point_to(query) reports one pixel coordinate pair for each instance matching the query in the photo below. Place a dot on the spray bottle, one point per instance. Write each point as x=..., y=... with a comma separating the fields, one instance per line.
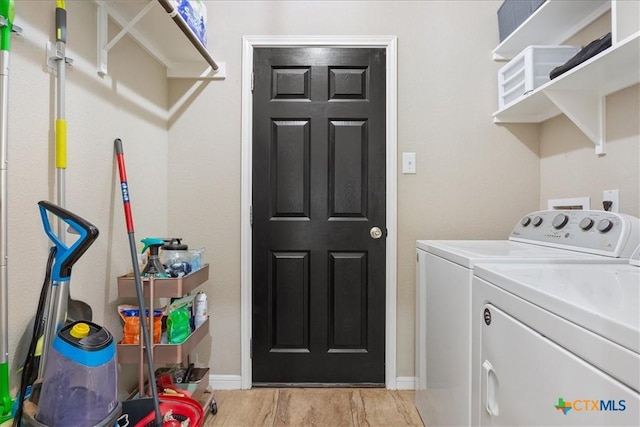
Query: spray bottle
x=154, y=267
x=200, y=304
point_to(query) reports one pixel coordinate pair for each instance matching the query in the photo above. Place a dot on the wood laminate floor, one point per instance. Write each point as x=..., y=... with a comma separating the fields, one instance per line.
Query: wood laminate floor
x=314, y=407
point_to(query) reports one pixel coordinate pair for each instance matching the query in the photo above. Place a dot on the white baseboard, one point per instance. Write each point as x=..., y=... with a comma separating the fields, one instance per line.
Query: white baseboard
x=234, y=382
x=406, y=383
x=225, y=382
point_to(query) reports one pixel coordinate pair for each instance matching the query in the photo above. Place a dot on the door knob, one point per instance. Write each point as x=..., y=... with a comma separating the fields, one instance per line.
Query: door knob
x=375, y=233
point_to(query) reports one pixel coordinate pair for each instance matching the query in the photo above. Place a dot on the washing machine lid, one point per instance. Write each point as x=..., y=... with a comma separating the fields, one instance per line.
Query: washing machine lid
x=635, y=257
x=467, y=253
x=604, y=299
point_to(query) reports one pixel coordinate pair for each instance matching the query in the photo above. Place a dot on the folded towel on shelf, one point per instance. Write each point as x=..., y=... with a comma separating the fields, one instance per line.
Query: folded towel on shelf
x=589, y=51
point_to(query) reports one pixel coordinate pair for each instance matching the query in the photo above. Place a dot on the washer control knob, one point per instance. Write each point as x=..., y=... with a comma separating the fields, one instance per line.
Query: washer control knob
x=605, y=225
x=525, y=221
x=560, y=221
x=537, y=221
x=586, y=223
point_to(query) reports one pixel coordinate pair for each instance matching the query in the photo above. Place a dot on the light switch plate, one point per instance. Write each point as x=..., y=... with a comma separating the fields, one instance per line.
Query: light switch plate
x=408, y=163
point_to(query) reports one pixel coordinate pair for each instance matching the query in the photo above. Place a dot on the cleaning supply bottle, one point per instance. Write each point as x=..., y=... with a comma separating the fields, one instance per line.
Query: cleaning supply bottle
x=200, y=309
x=154, y=266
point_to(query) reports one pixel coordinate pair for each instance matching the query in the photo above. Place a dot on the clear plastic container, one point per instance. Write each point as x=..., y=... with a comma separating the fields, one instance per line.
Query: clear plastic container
x=176, y=258
x=80, y=386
x=197, y=258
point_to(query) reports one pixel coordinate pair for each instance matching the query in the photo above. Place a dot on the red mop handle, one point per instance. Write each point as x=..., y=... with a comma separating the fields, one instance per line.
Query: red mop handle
x=123, y=185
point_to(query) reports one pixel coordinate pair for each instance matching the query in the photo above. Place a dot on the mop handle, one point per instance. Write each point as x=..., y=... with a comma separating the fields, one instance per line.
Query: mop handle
x=8, y=12
x=61, y=22
x=61, y=123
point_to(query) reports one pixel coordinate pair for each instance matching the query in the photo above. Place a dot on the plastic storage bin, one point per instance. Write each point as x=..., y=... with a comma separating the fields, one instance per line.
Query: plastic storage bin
x=512, y=13
x=529, y=70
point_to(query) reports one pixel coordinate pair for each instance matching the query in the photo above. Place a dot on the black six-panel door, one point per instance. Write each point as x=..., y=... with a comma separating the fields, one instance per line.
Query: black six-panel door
x=318, y=195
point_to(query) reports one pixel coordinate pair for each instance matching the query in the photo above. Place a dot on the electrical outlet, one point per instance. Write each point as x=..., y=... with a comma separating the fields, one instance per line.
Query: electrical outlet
x=612, y=196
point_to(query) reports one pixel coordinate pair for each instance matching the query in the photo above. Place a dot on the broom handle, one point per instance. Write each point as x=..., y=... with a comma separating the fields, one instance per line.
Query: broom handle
x=136, y=274
x=152, y=318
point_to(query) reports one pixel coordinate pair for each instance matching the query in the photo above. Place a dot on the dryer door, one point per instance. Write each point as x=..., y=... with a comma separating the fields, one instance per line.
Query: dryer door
x=528, y=379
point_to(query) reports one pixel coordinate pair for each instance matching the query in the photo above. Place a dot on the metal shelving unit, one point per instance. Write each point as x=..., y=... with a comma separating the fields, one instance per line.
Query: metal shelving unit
x=171, y=353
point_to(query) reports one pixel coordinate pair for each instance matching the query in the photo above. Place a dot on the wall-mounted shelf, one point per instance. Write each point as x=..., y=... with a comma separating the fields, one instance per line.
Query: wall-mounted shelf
x=551, y=24
x=168, y=39
x=580, y=93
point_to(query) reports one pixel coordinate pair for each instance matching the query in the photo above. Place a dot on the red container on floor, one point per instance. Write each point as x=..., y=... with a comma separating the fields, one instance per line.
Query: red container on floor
x=182, y=408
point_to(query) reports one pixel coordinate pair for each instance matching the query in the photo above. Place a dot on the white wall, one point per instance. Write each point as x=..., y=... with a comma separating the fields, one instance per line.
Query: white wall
x=474, y=179
x=570, y=168
x=98, y=110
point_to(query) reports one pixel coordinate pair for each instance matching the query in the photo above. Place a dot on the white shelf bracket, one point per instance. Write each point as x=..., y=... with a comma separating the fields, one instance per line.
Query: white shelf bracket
x=102, y=28
x=104, y=44
x=587, y=110
x=196, y=70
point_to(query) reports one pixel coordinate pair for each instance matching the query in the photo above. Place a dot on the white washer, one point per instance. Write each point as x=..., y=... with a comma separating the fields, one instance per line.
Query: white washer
x=558, y=344
x=443, y=293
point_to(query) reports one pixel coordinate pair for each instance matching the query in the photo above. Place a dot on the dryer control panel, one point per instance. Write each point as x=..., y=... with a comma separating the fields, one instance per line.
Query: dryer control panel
x=596, y=232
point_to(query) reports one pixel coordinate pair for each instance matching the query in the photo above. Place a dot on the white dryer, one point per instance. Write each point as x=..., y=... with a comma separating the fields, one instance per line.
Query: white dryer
x=443, y=293
x=556, y=344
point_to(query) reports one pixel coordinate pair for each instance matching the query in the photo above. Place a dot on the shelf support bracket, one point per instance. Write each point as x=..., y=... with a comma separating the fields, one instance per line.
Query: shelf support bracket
x=104, y=44
x=214, y=71
x=587, y=110
x=102, y=29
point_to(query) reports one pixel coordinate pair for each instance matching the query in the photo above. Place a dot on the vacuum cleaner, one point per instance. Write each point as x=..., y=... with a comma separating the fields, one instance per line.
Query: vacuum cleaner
x=79, y=386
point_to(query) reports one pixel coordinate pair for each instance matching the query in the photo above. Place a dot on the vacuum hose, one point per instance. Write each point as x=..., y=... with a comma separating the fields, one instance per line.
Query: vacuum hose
x=28, y=367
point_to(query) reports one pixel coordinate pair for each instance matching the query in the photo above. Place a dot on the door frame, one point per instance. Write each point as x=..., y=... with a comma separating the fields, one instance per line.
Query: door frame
x=389, y=43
